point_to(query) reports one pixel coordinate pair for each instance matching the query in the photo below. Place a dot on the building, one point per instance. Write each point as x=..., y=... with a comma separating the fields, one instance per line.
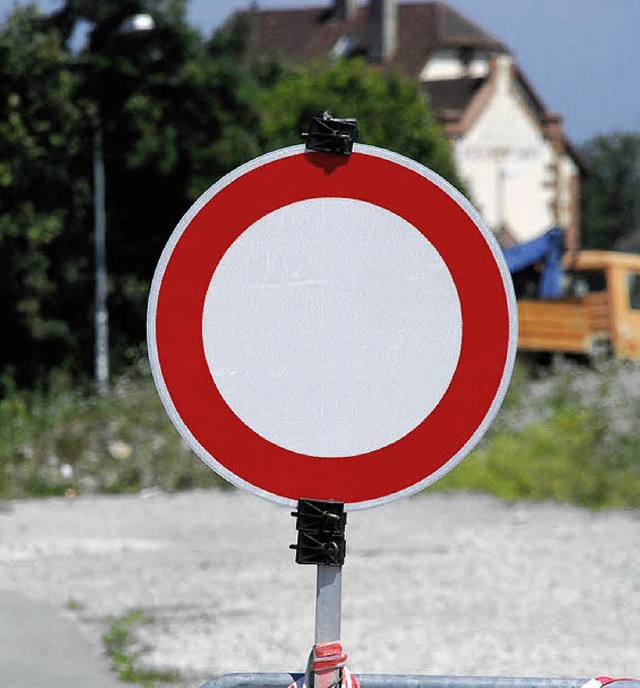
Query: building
x=522, y=173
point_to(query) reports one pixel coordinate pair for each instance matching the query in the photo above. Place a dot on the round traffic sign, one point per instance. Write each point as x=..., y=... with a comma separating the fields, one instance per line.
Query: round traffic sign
x=333, y=328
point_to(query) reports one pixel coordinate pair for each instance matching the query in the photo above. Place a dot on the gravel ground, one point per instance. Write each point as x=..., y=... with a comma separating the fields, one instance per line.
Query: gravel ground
x=439, y=584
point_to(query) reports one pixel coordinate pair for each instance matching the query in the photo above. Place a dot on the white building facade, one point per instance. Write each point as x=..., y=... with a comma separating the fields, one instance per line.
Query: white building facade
x=515, y=163
x=520, y=170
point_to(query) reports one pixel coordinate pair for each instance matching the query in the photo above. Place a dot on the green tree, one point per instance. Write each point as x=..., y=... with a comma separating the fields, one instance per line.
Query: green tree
x=176, y=112
x=610, y=195
x=41, y=155
x=391, y=111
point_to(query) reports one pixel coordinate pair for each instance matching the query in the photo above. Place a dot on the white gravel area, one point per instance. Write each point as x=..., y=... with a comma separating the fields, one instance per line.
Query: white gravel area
x=438, y=584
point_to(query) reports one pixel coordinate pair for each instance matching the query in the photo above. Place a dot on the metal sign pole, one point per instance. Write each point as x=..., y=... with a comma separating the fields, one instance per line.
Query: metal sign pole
x=328, y=603
x=321, y=541
x=328, y=620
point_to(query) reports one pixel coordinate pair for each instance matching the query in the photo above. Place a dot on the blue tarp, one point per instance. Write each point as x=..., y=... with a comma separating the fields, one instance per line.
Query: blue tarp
x=546, y=249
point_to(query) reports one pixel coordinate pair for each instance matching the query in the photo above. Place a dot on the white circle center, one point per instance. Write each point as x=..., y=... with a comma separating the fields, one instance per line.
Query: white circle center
x=332, y=327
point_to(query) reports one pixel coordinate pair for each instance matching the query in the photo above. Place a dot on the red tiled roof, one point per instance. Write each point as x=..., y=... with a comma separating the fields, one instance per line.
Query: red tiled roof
x=300, y=34
x=304, y=34
x=451, y=97
x=423, y=28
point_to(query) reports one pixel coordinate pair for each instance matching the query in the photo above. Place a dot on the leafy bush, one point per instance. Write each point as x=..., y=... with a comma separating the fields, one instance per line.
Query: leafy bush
x=125, y=651
x=70, y=441
x=573, y=436
x=390, y=109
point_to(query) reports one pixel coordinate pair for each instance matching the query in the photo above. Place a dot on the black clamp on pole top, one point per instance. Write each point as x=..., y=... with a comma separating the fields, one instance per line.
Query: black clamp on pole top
x=320, y=527
x=330, y=135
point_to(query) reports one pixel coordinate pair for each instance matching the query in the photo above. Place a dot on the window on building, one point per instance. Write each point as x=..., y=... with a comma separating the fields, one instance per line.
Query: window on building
x=633, y=282
x=466, y=56
x=341, y=48
x=583, y=282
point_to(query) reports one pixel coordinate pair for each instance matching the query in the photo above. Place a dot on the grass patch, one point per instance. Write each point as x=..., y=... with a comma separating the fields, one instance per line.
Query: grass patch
x=67, y=441
x=584, y=450
x=570, y=435
x=74, y=605
x=125, y=652
x=548, y=461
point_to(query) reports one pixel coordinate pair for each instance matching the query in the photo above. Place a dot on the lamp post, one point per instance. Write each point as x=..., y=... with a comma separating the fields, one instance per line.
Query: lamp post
x=100, y=253
x=138, y=23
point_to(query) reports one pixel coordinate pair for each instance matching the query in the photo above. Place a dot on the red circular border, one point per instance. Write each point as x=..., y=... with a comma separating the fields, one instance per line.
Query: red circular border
x=284, y=473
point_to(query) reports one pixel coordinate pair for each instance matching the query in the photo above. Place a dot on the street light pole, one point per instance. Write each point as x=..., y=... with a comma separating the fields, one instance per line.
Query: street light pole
x=100, y=236
x=136, y=24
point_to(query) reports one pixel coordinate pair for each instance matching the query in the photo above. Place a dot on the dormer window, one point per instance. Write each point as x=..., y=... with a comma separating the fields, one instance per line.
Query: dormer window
x=466, y=55
x=341, y=48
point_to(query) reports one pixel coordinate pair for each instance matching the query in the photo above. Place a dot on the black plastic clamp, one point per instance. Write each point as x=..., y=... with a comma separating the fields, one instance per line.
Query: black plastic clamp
x=320, y=527
x=330, y=135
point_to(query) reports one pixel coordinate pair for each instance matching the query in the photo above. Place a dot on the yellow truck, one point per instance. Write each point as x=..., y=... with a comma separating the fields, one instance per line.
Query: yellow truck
x=594, y=310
